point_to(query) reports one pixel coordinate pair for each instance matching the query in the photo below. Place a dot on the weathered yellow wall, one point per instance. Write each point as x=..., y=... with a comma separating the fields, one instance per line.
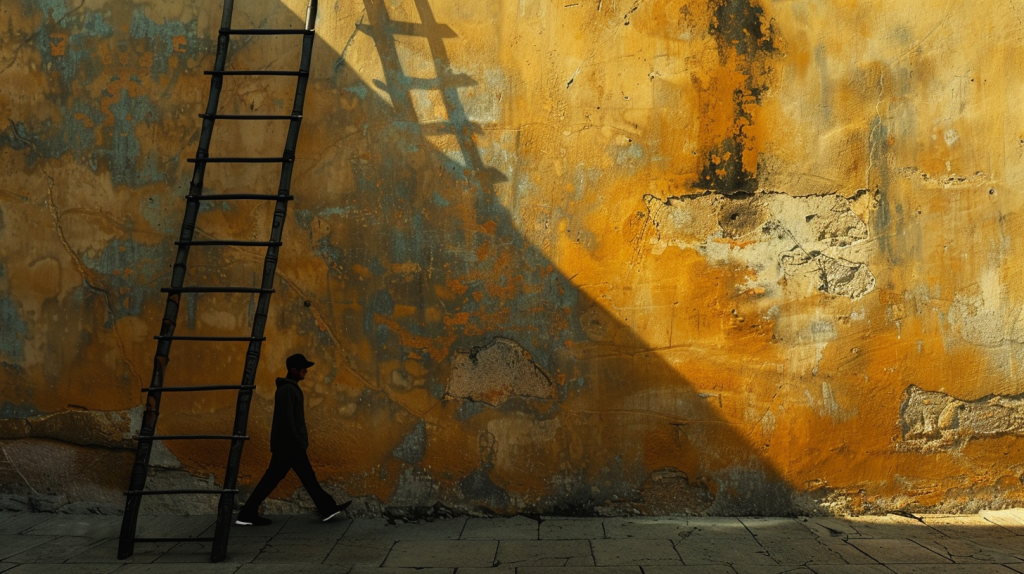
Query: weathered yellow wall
x=586, y=256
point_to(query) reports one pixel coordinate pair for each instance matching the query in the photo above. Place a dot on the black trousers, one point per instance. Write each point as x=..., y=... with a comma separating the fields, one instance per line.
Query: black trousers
x=280, y=464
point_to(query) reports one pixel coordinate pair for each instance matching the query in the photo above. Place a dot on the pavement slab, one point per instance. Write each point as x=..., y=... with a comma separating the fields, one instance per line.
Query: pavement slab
x=359, y=552
x=571, y=529
x=240, y=551
x=374, y=570
x=648, y=528
x=12, y=545
x=514, y=528
x=442, y=553
x=777, y=569
x=580, y=570
x=78, y=525
x=897, y=551
x=520, y=553
x=969, y=526
x=145, y=553
x=65, y=568
x=849, y=569
x=722, y=550
x=811, y=550
x=694, y=569
x=634, y=551
x=966, y=552
x=290, y=551
x=219, y=568
x=379, y=529
x=950, y=569
x=56, y=550
x=17, y=522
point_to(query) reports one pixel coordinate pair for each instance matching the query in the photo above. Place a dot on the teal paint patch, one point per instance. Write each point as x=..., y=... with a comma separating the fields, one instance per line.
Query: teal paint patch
x=127, y=291
x=125, y=151
x=166, y=39
x=13, y=330
x=64, y=42
x=413, y=446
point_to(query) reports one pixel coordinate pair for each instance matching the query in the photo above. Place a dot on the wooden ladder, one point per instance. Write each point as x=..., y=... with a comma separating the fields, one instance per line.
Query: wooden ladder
x=194, y=199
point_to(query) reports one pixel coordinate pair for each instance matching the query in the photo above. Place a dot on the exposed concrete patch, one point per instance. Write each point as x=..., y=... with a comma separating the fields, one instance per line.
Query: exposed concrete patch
x=413, y=446
x=815, y=240
x=669, y=491
x=497, y=372
x=932, y=421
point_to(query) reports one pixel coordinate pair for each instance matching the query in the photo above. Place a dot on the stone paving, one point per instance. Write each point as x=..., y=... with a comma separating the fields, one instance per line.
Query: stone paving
x=987, y=543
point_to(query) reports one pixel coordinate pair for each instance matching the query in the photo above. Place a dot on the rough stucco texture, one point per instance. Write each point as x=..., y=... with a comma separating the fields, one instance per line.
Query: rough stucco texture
x=595, y=256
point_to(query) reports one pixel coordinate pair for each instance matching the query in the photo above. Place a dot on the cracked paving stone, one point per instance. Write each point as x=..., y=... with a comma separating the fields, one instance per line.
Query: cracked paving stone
x=649, y=528
x=11, y=544
x=56, y=550
x=762, y=569
x=579, y=570
x=545, y=553
x=966, y=526
x=624, y=552
x=144, y=553
x=16, y=522
x=293, y=552
x=694, y=569
x=811, y=550
x=776, y=527
x=237, y=531
x=897, y=551
x=950, y=569
x=889, y=526
x=79, y=525
x=359, y=552
x=374, y=570
x=442, y=553
x=966, y=552
x=1012, y=520
x=218, y=568
x=571, y=529
x=168, y=526
x=289, y=569
x=709, y=549
x=312, y=528
x=379, y=529
x=500, y=569
x=1012, y=546
x=849, y=569
x=65, y=568
x=240, y=551
x=514, y=528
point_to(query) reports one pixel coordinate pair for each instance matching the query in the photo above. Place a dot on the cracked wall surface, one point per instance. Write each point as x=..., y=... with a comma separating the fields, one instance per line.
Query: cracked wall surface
x=597, y=257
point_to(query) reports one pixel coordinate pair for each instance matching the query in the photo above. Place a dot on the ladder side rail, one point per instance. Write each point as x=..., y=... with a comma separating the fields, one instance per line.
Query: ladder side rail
x=140, y=468
x=252, y=358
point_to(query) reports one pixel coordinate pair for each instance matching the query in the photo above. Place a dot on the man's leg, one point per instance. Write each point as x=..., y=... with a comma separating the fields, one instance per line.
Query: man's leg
x=325, y=503
x=278, y=469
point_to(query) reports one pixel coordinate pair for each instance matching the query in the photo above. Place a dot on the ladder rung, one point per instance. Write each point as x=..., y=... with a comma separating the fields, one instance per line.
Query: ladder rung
x=255, y=73
x=190, y=437
x=231, y=243
x=240, y=160
x=250, y=117
x=266, y=31
x=181, y=491
x=197, y=388
x=185, y=539
x=215, y=290
x=201, y=338
x=229, y=196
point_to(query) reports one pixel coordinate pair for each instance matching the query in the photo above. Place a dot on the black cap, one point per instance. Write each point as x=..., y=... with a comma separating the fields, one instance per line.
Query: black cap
x=298, y=362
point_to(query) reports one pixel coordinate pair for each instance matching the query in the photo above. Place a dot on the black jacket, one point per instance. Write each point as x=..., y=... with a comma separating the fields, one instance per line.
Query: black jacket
x=288, y=432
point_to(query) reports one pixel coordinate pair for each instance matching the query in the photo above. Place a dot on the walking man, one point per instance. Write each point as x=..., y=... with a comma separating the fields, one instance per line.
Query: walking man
x=288, y=444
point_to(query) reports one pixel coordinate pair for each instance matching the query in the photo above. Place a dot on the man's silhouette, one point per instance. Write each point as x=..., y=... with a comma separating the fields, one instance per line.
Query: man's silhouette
x=288, y=444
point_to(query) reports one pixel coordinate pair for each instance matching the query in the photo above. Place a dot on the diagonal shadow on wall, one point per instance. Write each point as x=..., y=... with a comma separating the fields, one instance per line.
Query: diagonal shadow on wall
x=425, y=265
